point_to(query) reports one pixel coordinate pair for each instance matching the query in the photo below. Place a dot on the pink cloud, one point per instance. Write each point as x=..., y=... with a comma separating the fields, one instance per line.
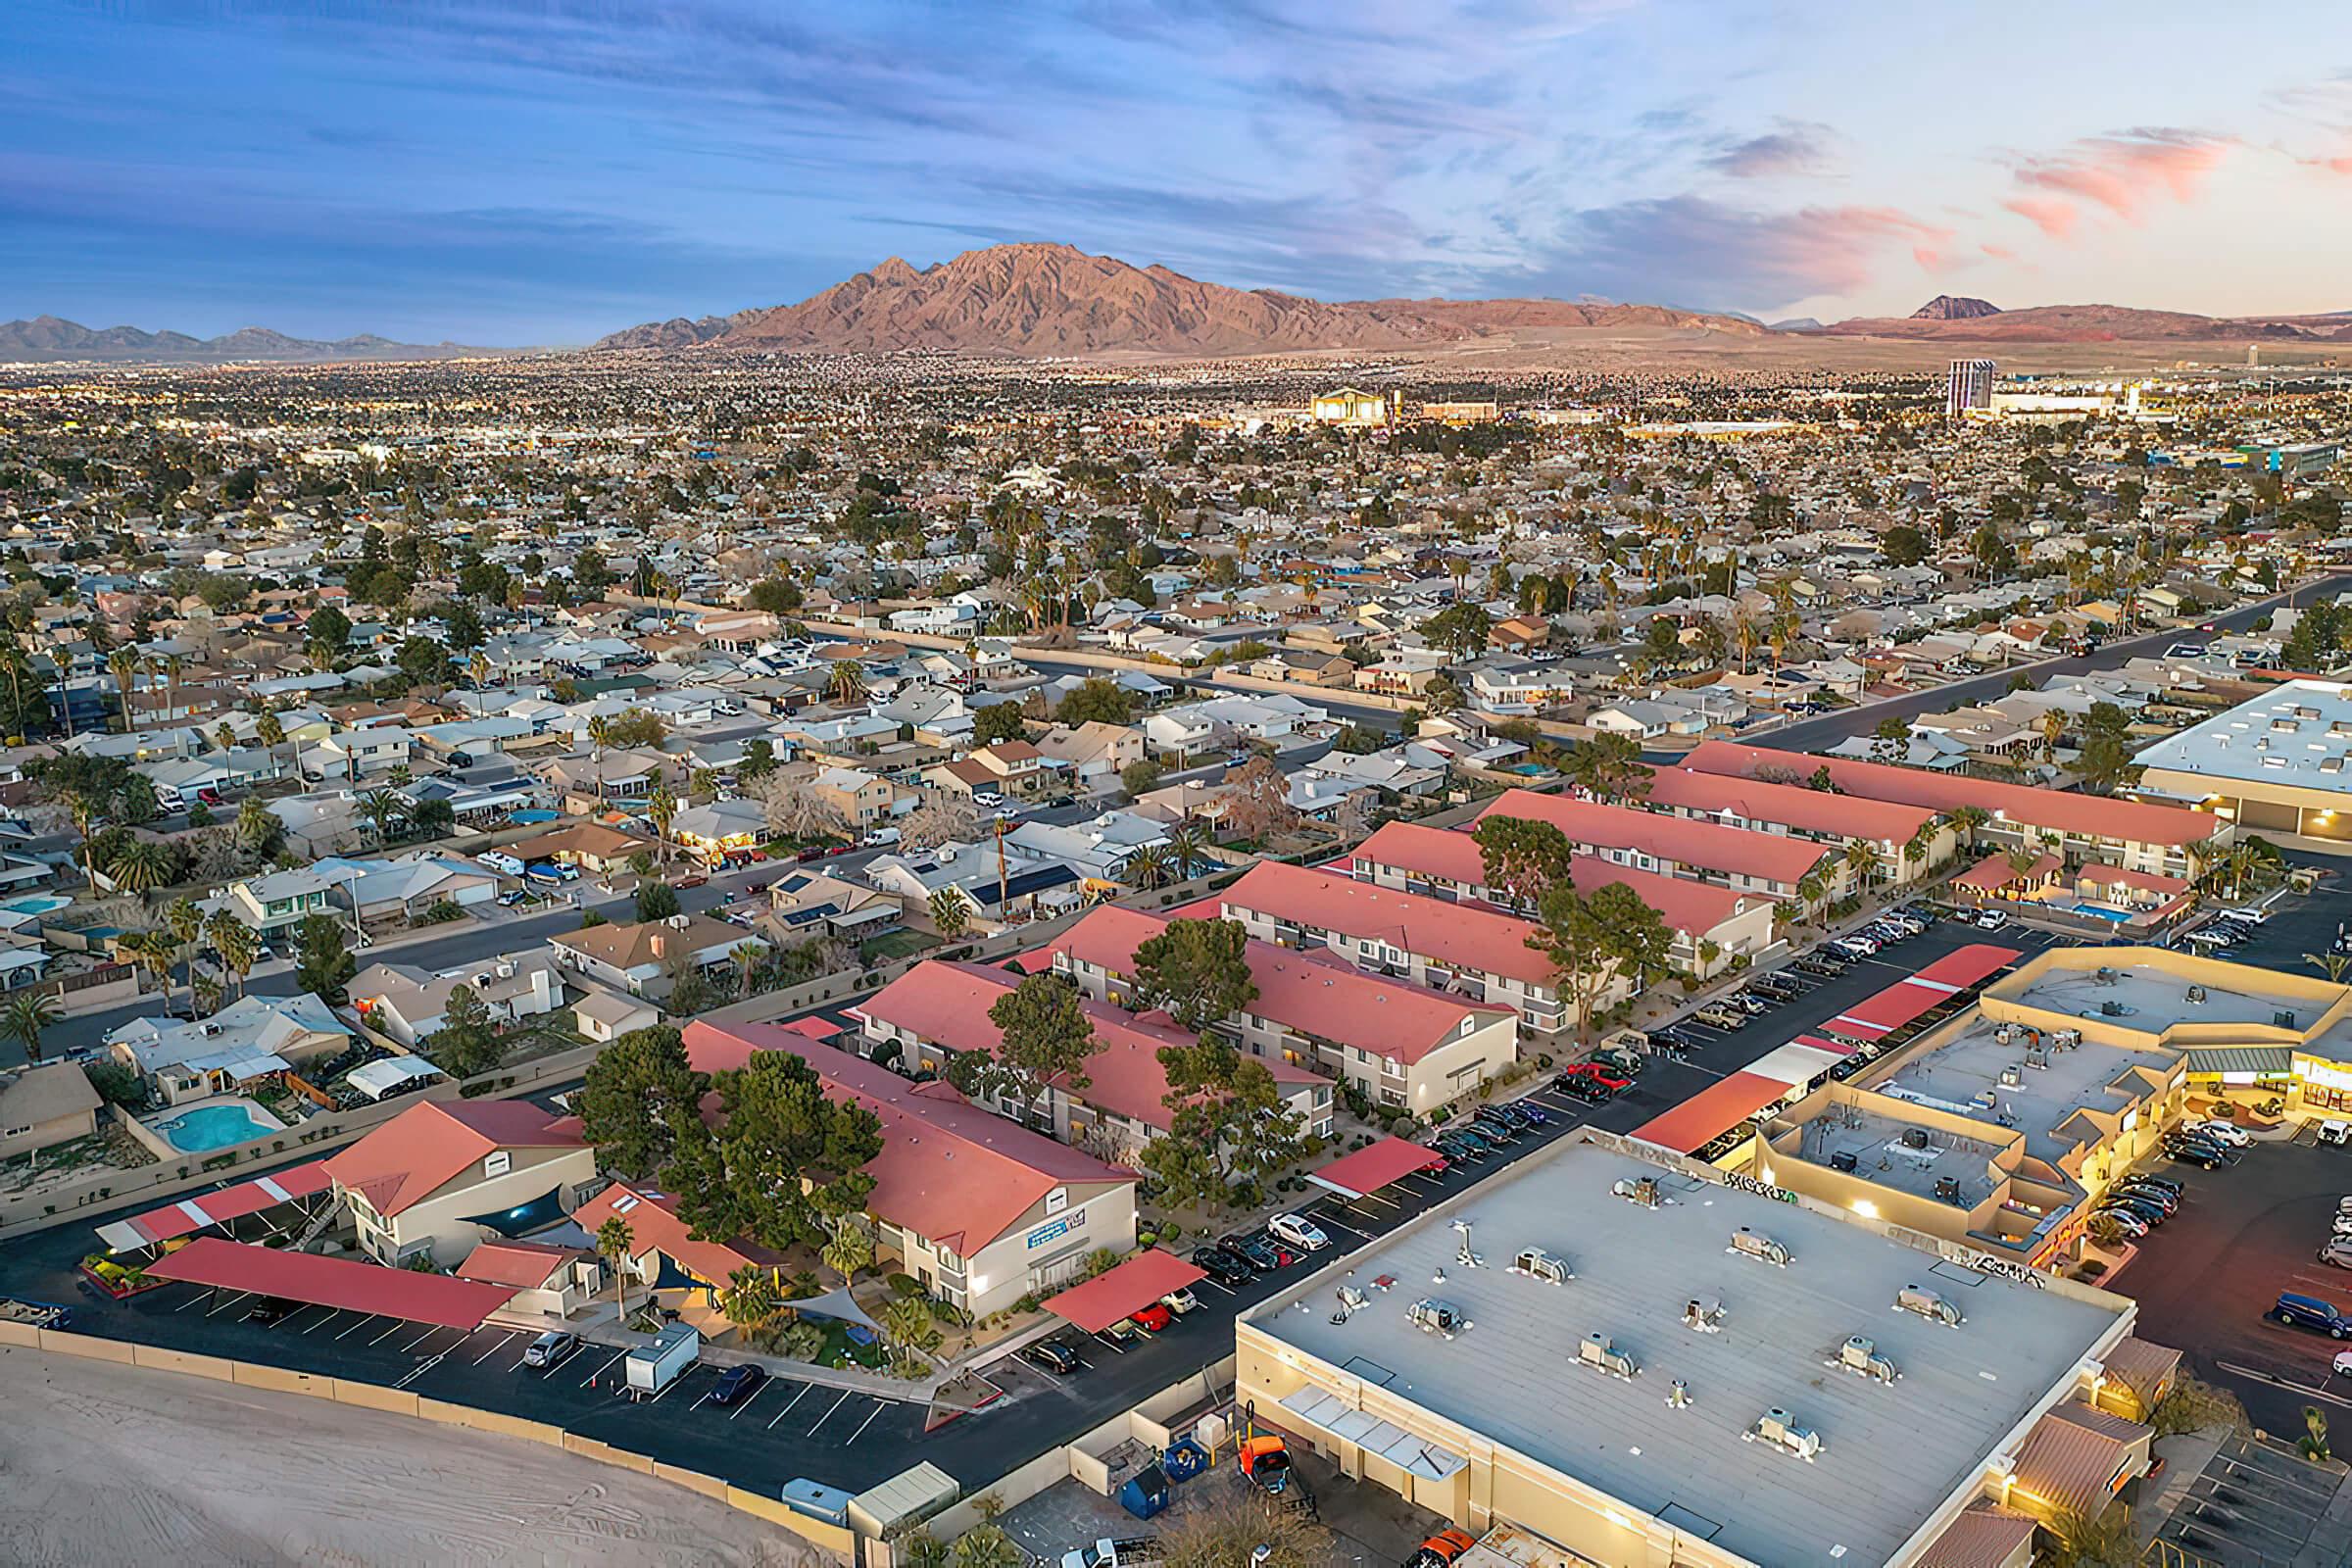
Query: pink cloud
x=2121, y=173
x=2000, y=253
x=2054, y=218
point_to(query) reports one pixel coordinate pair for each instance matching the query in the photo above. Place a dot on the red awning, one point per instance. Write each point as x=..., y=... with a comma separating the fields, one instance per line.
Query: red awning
x=1915, y=995
x=336, y=1282
x=1371, y=1168
x=1711, y=1112
x=1823, y=1043
x=192, y=1214
x=1129, y=1287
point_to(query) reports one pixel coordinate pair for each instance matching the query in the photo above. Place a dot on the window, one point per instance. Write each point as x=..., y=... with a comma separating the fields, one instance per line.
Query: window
x=497, y=1163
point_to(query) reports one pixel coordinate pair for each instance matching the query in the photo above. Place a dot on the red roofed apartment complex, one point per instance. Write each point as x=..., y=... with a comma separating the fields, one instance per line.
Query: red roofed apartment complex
x=2081, y=829
x=1399, y=1044
x=1672, y=846
x=982, y=1212
x=416, y=1186
x=936, y=1010
x=1444, y=864
x=1793, y=811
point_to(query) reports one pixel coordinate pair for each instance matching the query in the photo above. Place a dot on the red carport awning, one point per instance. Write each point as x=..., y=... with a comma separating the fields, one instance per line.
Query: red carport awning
x=192, y=1214
x=1129, y=1287
x=1915, y=995
x=1374, y=1166
x=1711, y=1112
x=336, y=1282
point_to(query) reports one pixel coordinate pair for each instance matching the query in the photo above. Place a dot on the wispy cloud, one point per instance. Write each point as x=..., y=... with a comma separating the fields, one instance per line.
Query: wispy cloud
x=1793, y=147
x=1689, y=250
x=2120, y=174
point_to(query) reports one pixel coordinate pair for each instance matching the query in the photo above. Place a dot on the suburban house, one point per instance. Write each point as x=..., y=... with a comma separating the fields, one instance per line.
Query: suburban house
x=801, y=904
x=399, y=890
x=604, y=1017
x=408, y=1004
x=254, y=1037
x=711, y=830
x=1095, y=753
x=644, y=957
x=589, y=846
x=1011, y=768
x=979, y=1210
x=274, y=903
x=44, y=1105
x=439, y=1179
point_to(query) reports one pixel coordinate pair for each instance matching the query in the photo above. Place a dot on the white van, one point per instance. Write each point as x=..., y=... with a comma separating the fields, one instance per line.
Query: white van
x=501, y=861
x=877, y=837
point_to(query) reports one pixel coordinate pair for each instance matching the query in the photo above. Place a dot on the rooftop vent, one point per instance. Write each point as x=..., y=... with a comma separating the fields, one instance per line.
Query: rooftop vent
x=2106, y=975
x=1860, y=1354
x=1948, y=1189
x=2011, y=1077
x=1842, y=1160
x=1537, y=1264
x=2196, y=995
x=1643, y=1189
x=1778, y=1427
x=1704, y=1317
x=2283, y=1019
x=1433, y=1316
x=1914, y=1138
x=1599, y=1352
x=1928, y=1305
x=1760, y=1247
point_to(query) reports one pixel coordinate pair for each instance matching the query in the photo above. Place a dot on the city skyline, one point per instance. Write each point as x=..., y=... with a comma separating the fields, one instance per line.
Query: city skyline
x=508, y=174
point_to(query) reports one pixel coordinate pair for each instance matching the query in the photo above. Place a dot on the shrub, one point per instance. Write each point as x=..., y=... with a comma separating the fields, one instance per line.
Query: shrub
x=905, y=1285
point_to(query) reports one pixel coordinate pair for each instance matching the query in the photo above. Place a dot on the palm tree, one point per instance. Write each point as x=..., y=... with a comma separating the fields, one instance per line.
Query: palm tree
x=600, y=735
x=1147, y=868
x=847, y=683
x=141, y=866
x=256, y=823
x=155, y=951
x=186, y=923
x=82, y=806
x=850, y=1250
x=746, y=956
x=2330, y=964
x=123, y=665
x=1188, y=847
x=2053, y=730
x=662, y=810
x=235, y=943
x=1862, y=859
x=384, y=811
x=224, y=736
x=1967, y=819
x=271, y=734
x=613, y=1238
x=22, y=1017
x=950, y=912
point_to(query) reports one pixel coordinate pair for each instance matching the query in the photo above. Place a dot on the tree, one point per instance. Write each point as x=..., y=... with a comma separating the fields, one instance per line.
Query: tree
x=1257, y=800
x=141, y=866
x=1227, y=1108
x=614, y=1241
x=234, y=942
x=752, y=1297
x=1199, y=970
x=1149, y=868
x=1904, y=546
x=2105, y=1539
x=635, y=1097
x=1594, y=942
x=778, y=596
x=950, y=911
x=1609, y=767
x=785, y=1158
x=1228, y=1533
x=846, y=684
x=1140, y=777
x=326, y=634
x=790, y=806
x=25, y=1015
x=1097, y=700
x=907, y=1322
x=185, y=922
x=466, y=1045
x=656, y=901
x=323, y=965
x=998, y=721
x=385, y=810
x=2330, y=964
x=1461, y=630
x=849, y=1249
x=662, y=810
x=1047, y=1039
x=1890, y=741
x=988, y=1546
x=1441, y=694
x=270, y=731
x=1969, y=820
x=1520, y=856
x=1662, y=642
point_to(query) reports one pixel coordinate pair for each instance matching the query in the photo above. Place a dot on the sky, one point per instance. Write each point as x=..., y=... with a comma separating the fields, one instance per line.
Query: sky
x=541, y=172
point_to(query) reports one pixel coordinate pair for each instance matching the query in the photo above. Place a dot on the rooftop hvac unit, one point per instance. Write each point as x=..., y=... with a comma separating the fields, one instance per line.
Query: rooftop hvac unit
x=1643, y=1189
x=1928, y=1305
x=2000, y=1035
x=1778, y=1427
x=1760, y=1247
x=1842, y=1160
x=2283, y=1019
x=1860, y=1354
x=2106, y=975
x=1599, y=1352
x=1433, y=1316
x=2037, y=1057
x=506, y=971
x=1914, y=1138
x=2012, y=1077
x=2197, y=994
x=1702, y=1316
x=1537, y=1264
x=2111, y=1009
x=2067, y=1039
x=1947, y=1188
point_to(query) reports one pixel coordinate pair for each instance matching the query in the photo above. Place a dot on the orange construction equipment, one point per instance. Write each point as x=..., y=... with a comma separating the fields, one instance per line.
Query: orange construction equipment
x=1439, y=1549
x=1266, y=1461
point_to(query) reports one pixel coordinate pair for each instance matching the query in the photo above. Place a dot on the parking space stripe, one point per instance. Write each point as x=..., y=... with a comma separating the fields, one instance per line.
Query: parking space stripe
x=396, y=1325
x=227, y=1301
x=829, y=1409
x=357, y=1326
x=787, y=1411
x=195, y=1295
x=598, y=1376
x=495, y=1348
x=319, y=1322
x=867, y=1422
x=746, y=1403
x=419, y=1340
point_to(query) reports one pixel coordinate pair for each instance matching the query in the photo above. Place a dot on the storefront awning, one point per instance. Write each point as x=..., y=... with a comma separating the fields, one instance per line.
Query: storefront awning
x=2265, y=1061
x=1326, y=1412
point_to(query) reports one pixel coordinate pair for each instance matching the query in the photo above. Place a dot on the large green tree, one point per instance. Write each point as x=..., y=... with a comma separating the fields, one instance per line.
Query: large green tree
x=466, y=1043
x=784, y=1159
x=1596, y=939
x=1609, y=767
x=1227, y=1106
x=1097, y=700
x=1460, y=629
x=1521, y=858
x=322, y=964
x=1046, y=1040
x=637, y=1095
x=1199, y=970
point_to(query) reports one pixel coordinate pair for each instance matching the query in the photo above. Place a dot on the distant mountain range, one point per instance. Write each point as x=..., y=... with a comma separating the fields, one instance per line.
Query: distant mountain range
x=1046, y=300
x=49, y=339
x=1954, y=307
x=1947, y=317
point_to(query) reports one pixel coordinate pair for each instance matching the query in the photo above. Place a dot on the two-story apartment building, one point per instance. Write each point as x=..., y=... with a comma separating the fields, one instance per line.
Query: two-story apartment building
x=1093, y=753
x=1769, y=865
x=417, y=1186
x=1836, y=821
x=642, y=959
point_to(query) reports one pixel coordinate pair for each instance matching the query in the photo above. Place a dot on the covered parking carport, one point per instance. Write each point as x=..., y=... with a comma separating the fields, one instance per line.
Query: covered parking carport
x=337, y=1283
x=297, y=1185
x=1363, y=1176
x=1116, y=1294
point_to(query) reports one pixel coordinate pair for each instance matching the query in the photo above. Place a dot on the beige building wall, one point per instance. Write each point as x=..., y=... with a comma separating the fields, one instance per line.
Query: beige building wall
x=440, y=1223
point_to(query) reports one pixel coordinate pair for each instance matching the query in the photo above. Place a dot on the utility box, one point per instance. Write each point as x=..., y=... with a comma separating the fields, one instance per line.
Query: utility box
x=1861, y=1355
x=654, y=1366
x=1760, y=1247
x=1537, y=1264
x=1433, y=1316
x=1928, y=1305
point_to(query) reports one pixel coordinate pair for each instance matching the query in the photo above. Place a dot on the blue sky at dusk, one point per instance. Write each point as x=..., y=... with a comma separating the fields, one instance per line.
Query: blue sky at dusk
x=507, y=172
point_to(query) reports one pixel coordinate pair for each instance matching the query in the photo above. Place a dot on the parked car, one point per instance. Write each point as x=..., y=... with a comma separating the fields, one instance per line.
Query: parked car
x=2337, y=1254
x=2249, y=914
x=1154, y=1317
x=1754, y=1007
x=1438, y=1164
x=1594, y=1072
x=1456, y=1149
x=2311, y=1312
x=1299, y=1231
x=550, y=1348
x=2147, y=1208
x=1858, y=947
x=1053, y=1356
x=691, y=879
x=2139, y=1191
x=2196, y=1141
x=2335, y=1132
x=1591, y=1089
x=2130, y=1224
x=2205, y=1155
x=1181, y=1302
x=1991, y=919
x=1510, y=1117
x=2149, y=1178
x=1252, y=1251
x=738, y=1383
x=272, y=1310
x=2226, y=1132
x=1226, y=1266
x=1535, y=1114
x=1676, y=1038
x=1719, y=1016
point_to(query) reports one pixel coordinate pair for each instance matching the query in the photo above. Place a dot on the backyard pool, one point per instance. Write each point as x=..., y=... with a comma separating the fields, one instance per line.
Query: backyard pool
x=2100, y=912
x=216, y=1125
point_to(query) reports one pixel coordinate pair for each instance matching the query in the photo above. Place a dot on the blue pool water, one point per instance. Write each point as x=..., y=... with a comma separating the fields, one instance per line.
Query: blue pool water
x=2102, y=913
x=209, y=1127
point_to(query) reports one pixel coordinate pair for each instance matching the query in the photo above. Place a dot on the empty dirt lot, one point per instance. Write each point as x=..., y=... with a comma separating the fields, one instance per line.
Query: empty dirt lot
x=104, y=1463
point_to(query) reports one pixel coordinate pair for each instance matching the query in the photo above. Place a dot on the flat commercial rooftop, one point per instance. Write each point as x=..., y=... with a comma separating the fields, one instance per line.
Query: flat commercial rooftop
x=1891, y=1454
x=2296, y=734
x=2156, y=1000
x=1882, y=1157
x=1949, y=1074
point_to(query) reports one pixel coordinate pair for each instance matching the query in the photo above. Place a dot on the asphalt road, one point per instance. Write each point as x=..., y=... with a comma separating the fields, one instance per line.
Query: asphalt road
x=1828, y=729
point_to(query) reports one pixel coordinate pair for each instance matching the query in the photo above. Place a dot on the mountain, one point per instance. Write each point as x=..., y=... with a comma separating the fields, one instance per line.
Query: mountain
x=2088, y=323
x=48, y=338
x=1035, y=300
x=1954, y=307
x=1798, y=324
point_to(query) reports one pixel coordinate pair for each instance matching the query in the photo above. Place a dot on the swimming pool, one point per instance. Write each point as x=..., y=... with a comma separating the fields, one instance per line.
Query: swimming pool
x=2100, y=912
x=214, y=1126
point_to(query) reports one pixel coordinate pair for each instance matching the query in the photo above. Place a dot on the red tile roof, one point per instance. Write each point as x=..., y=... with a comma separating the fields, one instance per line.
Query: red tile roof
x=431, y=1144
x=1695, y=907
x=1791, y=805
x=652, y=1217
x=519, y=1265
x=2061, y=810
x=1684, y=841
x=949, y=1171
x=337, y=1281
x=1457, y=935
